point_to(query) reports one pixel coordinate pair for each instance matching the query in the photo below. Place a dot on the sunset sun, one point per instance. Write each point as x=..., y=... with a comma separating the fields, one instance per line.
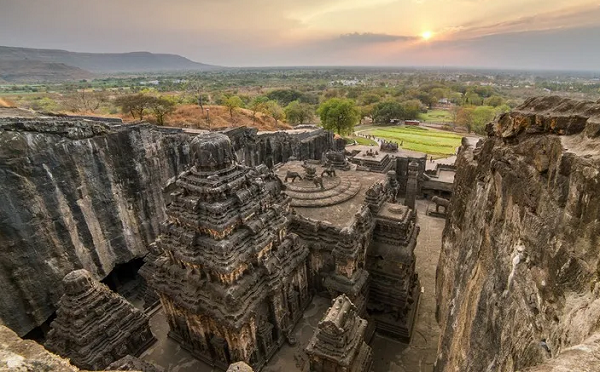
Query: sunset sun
x=427, y=35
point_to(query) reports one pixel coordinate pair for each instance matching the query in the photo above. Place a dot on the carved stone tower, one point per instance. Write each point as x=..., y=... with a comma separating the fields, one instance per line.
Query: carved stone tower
x=231, y=279
x=338, y=343
x=95, y=326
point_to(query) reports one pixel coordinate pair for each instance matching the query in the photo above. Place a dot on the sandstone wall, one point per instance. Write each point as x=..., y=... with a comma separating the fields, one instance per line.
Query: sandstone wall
x=520, y=253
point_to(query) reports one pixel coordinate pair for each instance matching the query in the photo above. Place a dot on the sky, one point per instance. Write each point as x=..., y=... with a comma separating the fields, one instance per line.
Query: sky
x=522, y=34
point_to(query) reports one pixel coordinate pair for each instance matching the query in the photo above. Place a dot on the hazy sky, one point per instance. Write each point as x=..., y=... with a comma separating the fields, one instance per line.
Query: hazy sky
x=541, y=34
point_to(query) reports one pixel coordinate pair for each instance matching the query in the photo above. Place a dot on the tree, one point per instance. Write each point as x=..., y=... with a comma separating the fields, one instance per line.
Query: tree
x=232, y=103
x=284, y=96
x=161, y=107
x=339, y=114
x=384, y=112
x=258, y=104
x=473, y=98
x=367, y=112
x=411, y=108
x=369, y=99
x=298, y=113
x=494, y=101
x=134, y=104
x=275, y=111
x=196, y=88
x=464, y=118
x=481, y=116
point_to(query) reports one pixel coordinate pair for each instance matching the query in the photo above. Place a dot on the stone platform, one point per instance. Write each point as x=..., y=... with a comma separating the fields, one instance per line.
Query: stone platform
x=335, y=190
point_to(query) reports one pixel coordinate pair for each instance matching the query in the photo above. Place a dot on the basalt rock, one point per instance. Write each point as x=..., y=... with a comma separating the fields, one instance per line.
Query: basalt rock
x=518, y=281
x=232, y=280
x=76, y=194
x=338, y=342
x=270, y=148
x=94, y=326
x=86, y=194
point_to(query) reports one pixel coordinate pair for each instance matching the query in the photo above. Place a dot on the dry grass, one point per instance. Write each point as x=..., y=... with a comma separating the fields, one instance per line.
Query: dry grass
x=190, y=116
x=6, y=103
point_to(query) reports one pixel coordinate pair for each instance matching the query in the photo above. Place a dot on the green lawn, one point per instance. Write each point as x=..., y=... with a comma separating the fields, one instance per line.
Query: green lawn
x=362, y=141
x=432, y=142
x=436, y=116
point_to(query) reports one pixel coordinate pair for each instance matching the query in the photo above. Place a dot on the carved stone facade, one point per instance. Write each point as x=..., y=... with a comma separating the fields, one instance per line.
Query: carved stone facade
x=338, y=343
x=412, y=184
x=338, y=255
x=95, y=326
x=373, y=251
x=232, y=280
x=394, y=286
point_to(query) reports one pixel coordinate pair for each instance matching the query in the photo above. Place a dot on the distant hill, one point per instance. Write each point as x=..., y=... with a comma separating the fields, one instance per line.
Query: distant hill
x=27, y=71
x=105, y=62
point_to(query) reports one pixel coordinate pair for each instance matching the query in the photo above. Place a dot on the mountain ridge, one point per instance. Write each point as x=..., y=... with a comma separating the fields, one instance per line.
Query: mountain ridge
x=130, y=62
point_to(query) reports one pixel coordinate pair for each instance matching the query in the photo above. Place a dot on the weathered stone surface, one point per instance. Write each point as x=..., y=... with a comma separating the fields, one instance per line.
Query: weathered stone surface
x=239, y=367
x=94, y=326
x=584, y=357
x=80, y=194
x=519, y=262
x=254, y=148
x=75, y=194
x=232, y=280
x=25, y=355
x=131, y=363
x=338, y=343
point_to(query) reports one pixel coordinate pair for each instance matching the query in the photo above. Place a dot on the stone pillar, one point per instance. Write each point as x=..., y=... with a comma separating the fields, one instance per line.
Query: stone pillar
x=412, y=185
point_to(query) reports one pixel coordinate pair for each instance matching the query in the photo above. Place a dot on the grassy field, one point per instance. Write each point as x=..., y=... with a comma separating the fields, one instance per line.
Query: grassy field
x=436, y=116
x=432, y=142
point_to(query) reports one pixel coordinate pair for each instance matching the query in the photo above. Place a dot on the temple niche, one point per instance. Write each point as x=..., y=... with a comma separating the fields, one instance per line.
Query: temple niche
x=338, y=344
x=232, y=279
x=95, y=326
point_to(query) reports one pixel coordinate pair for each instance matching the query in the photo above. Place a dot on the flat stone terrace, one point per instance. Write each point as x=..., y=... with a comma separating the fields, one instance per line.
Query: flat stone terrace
x=340, y=199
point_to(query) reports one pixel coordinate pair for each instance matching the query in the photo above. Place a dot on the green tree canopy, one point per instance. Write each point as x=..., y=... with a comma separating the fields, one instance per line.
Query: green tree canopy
x=232, y=103
x=494, y=101
x=258, y=104
x=134, y=104
x=481, y=116
x=412, y=109
x=161, y=107
x=384, y=112
x=299, y=113
x=275, y=111
x=339, y=115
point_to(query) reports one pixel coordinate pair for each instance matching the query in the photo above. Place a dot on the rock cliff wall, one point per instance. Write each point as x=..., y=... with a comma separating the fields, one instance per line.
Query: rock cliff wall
x=75, y=194
x=80, y=194
x=270, y=148
x=518, y=279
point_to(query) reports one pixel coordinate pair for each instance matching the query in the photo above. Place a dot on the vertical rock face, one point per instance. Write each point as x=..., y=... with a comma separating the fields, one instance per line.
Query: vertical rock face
x=75, y=194
x=253, y=148
x=518, y=279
